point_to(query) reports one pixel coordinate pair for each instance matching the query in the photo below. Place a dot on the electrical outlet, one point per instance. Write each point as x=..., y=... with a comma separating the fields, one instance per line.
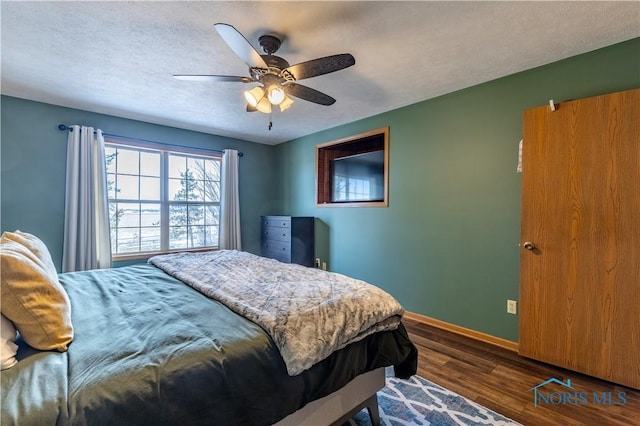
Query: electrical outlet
x=317, y=264
x=324, y=266
x=512, y=307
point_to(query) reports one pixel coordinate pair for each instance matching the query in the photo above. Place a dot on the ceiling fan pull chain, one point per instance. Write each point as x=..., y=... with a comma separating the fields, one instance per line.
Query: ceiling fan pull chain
x=270, y=122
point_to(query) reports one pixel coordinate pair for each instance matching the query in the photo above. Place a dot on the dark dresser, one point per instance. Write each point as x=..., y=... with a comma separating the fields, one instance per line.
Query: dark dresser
x=288, y=239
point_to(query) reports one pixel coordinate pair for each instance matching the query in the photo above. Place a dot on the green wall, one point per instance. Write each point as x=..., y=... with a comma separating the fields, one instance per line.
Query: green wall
x=447, y=245
x=33, y=157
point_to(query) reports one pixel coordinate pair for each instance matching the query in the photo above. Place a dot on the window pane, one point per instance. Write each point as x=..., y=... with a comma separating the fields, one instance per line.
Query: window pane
x=197, y=190
x=114, y=240
x=185, y=188
x=196, y=236
x=130, y=217
x=127, y=187
x=150, y=188
x=189, y=186
x=111, y=186
x=212, y=215
x=211, y=236
x=175, y=190
x=177, y=216
x=128, y=240
x=128, y=162
x=212, y=168
x=177, y=226
x=196, y=215
x=177, y=166
x=196, y=166
x=115, y=215
x=110, y=159
x=212, y=191
x=150, y=164
x=150, y=215
x=177, y=237
x=150, y=239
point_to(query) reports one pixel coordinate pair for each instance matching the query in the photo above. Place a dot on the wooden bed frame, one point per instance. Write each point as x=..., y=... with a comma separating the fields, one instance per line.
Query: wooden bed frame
x=338, y=407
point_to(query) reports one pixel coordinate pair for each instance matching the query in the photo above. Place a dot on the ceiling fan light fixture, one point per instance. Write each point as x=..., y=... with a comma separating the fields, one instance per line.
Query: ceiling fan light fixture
x=264, y=105
x=276, y=94
x=286, y=103
x=274, y=76
x=254, y=96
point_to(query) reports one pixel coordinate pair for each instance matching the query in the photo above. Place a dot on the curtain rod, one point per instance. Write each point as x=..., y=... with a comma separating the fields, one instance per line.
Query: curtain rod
x=65, y=127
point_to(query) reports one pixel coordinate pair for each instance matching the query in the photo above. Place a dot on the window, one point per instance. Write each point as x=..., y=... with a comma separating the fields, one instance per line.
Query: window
x=353, y=172
x=161, y=200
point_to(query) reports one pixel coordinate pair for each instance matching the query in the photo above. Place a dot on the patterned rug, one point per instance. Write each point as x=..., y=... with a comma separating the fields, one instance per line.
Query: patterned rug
x=418, y=401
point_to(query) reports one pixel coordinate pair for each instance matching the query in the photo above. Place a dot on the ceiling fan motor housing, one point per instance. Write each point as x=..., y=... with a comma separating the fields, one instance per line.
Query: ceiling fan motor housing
x=269, y=43
x=275, y=62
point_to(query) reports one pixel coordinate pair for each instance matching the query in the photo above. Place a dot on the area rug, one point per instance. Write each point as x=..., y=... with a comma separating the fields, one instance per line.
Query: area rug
x=418, y=401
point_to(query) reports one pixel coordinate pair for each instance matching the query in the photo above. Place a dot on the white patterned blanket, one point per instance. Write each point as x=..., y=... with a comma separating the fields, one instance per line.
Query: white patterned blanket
x=309, y=313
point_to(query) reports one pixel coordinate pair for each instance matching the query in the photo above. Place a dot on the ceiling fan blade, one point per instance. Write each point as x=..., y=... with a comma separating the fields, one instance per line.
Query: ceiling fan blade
x=231, y=78
x=321, y=66
x=308, y=94
x=240, y=45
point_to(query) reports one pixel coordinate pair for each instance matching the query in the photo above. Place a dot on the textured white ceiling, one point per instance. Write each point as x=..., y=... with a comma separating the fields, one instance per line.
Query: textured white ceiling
x=118, y=58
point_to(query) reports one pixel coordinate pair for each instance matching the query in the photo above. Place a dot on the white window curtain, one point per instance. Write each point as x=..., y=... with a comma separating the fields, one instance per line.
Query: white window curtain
x=230, y=202
x=87, y=243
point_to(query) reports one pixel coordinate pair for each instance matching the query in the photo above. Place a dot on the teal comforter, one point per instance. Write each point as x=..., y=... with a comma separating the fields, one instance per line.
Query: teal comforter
x=149, y=350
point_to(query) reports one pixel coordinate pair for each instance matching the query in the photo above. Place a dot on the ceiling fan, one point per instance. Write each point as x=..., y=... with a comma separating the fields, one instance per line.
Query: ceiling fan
x=277, y=80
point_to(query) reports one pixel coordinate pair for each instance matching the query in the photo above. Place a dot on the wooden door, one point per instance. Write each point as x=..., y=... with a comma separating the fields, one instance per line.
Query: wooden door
x=580, y=283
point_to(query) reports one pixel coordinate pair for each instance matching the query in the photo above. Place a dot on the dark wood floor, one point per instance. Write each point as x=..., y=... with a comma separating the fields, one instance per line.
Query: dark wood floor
x=502, y=380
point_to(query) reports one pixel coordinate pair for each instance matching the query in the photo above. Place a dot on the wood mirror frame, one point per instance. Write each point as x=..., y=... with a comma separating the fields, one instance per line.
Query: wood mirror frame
x=363, y=143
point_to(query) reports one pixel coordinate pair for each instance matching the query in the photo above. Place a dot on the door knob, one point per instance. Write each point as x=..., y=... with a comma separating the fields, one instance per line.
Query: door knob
x=529, y=245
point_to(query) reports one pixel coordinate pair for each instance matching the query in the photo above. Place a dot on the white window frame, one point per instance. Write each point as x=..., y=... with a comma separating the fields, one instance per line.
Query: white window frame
x=165, y=152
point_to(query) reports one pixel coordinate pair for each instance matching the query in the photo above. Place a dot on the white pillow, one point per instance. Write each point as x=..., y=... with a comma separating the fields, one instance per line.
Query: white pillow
x=8, y=347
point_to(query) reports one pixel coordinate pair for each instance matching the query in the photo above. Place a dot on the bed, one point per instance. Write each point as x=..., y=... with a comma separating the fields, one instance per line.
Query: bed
x=147, y=348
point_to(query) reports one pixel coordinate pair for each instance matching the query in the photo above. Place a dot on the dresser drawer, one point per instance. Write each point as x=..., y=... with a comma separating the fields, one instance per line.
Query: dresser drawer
x=277, y=221
x=275, y=233
x=277, y=250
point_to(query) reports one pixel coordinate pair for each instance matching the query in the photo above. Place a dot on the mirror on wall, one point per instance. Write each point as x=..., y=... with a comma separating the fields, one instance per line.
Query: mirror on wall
x=354, y=171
